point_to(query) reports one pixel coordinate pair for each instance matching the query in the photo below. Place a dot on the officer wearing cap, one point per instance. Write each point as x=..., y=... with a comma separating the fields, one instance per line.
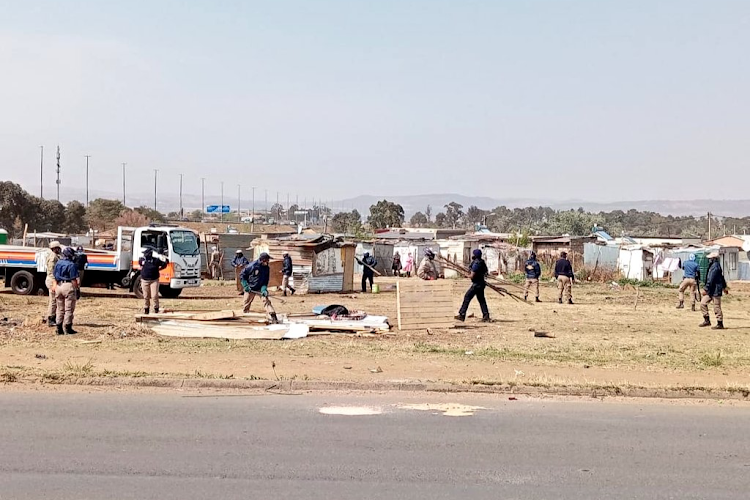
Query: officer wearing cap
x=51, y=260
x=429, y=269
x=715, y=287
x=239, y=263
x=254, y=279
x=287, y=269
x=66, y=291
x=478, y=271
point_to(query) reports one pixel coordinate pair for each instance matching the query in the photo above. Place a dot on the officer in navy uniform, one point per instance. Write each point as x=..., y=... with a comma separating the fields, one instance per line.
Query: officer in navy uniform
x=239, y=263
x=478, y=272
x=254, y=280
x=66, y=291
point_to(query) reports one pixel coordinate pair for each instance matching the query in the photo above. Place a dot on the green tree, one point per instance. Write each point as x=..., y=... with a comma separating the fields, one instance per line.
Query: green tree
x=347, y=222
x=46, y=215
x=428, y=213
x=418, y=220
x=277, y=211
x=386, y=214
x=151, y=214
x=75, y=218
x=441, y=220
x=475, y=215
x=14, y=206
x=453, y=214
x=196, y=215
x=102, y=213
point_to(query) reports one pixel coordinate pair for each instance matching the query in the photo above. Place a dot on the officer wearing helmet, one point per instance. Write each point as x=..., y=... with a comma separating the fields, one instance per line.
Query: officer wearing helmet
x=429, y=269
x=478, y=272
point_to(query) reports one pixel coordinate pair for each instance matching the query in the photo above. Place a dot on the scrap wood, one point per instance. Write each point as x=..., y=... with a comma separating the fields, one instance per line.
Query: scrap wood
x=465, y=272
x=178, y=328
x=378, y=273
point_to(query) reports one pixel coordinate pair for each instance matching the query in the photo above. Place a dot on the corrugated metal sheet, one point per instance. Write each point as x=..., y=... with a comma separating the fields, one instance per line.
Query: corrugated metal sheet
x=600, y=256
x=330, y=283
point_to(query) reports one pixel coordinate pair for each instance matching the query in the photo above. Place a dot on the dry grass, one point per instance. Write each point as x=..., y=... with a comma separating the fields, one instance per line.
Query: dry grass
x=604, y=330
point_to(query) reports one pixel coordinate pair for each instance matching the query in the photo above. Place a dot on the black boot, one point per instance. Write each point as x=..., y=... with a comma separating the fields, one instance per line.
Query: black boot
x=60, y=330
x=693, y=308
x=706, y=321
x=570, y=301
x=293, y=290
x=69, y=330
x=681, y=305
x=146, y=310
x=274, y=319
x=537, y=300
x=486, y=319
x=284, y=293
x=525, y=297
x=719, y=326
x=51, y=321
x=460, y=317
x=156, y=310
x=559, y=301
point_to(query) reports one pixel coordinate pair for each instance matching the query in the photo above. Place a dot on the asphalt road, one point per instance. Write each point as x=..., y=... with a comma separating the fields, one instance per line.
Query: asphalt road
x=171, y=446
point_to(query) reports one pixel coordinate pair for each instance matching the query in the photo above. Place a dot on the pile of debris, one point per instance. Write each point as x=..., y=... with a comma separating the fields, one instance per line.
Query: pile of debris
x=229, y=324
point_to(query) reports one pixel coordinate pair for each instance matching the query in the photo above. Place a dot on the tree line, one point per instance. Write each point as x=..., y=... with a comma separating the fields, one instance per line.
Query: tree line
x=531, y=221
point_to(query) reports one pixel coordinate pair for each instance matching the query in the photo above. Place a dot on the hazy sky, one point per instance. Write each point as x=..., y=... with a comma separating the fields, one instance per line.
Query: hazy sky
x=333, y=98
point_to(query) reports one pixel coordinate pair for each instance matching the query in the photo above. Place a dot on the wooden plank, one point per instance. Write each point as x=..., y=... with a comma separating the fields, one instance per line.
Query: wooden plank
x=422, y=326
x=239, y=333
x=215, y=315
x=425, y=304
x=429, y=314
x=427, y=286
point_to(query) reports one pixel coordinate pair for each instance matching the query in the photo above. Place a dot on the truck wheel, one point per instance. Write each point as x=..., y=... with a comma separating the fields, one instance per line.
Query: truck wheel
x=22, y=283
x=137, y=290
x=169, y=293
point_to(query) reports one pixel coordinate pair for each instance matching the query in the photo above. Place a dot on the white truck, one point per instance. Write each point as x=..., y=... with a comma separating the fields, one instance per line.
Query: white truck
x=24, y=268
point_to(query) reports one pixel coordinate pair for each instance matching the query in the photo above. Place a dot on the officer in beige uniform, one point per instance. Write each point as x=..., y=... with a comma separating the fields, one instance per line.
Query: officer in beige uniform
x=66, y=291
x=52, y=257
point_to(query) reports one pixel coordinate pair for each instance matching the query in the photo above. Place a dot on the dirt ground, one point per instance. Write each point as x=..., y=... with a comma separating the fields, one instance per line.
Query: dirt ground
x=606, y=339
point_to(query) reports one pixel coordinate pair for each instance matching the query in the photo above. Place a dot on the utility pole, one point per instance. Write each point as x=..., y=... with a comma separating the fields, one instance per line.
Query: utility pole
x=709, y=225
x=156, y=174
x=252, y=216
x=123, y=182
x=239, y=199
x=222, y=201
x=203, y=195
x=266, y=201
x=181, y=210
x=41, y=172
x=87, y=180
x=58, y=173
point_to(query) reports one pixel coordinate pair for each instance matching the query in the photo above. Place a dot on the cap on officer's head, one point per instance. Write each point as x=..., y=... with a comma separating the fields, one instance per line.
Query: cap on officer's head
x=264, y=256
x=55, y=244
x=239, y=250
x=713, y=255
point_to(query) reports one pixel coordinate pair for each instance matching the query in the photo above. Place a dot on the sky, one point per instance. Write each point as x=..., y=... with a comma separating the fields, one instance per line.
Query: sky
x=551, y=99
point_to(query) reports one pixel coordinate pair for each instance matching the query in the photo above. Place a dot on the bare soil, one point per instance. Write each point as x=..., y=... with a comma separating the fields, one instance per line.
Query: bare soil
x=605, y=339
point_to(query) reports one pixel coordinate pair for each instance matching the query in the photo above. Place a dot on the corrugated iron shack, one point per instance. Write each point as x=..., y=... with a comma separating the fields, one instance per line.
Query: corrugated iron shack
x=321, y=263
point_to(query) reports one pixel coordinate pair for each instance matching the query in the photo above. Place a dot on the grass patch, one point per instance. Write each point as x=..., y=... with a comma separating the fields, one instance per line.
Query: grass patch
x=711, y=360
x=79, y=370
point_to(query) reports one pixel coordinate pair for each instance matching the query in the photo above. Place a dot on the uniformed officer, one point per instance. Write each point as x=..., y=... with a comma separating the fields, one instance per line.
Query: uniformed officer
x=150, y=265
x=690, y=280
x=478, y=272
x=254, y=280
x=82, y=261
x=565, y=277
x=429, y=269
x=51, y=260
x=533, y=272
x=715, y=287
x=66, y=291
x=367, y=270
x=239, y=263
x=215, y=264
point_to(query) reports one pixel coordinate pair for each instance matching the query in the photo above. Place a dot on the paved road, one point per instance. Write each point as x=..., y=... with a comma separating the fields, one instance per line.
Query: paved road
x=169, y=446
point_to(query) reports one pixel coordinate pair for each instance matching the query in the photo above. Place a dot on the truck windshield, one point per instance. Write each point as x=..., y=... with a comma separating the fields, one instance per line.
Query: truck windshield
x=184, y=242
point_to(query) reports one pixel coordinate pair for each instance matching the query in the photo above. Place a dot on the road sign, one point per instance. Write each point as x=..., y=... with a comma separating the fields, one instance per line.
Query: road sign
x=215, y=209
x=300, y=212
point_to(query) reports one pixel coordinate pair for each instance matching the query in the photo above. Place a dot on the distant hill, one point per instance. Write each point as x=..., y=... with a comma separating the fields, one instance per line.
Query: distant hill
x=418, y=203
x=168, y=202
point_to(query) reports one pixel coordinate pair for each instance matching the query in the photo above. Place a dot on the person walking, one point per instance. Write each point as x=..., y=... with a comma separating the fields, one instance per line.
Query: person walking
x=66, y=291
x=429, y=269
x=715, y=287
x=287, y=270
x=690, y=279
x=255, y=279
x=368, y=274
x=215, y=264
x=82, y=261
x=396, y=266
x=408, y=265
x=53, y=256
x=533, y=272
x=478, y=273
x=150, y=265
x=239, y=263
x=565, y=278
